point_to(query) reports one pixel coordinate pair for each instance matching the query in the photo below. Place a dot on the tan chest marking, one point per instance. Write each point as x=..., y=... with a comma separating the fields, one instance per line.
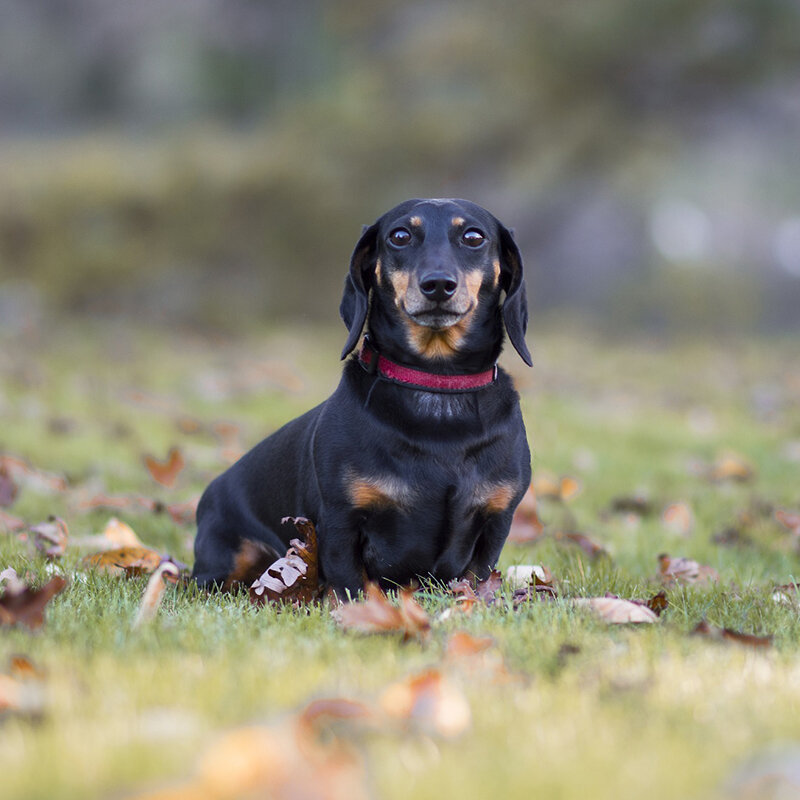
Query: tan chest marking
x=375, y=491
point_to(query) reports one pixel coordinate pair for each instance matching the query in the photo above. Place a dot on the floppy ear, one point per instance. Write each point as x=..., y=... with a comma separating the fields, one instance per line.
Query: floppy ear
x=515, y=307
x=355, y=300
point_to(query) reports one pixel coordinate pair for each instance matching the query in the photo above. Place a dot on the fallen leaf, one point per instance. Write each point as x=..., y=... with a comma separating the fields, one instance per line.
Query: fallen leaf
x=632, y=504
x=790, y=520
x=525, y=524
x=521, y=575
x=731, y=467
x=119, y=503
x=617, y=611
x=51, y=537
x=25, y=605
x=561, y=489
x=658, y=603
x=428, y=701
x=8, y=489
x=293, y=578
x=23, y=473
x=488, y=588
x=377, y=614
x=120, y=534
x=153, y=594
x=785, y=593
x=590, y=547
x=685, y=570
x=678, y=518
x=461, y=644
x=166, y=472
x=726, y=634
x=11, y=523
x=184, y=513
x=22, y=688
x=124, y=561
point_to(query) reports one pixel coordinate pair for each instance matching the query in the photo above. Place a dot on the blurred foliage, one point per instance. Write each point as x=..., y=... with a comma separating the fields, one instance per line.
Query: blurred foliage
x=211, y=165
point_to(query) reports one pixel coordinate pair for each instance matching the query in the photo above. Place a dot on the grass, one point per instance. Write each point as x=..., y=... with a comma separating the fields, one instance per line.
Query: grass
x=597, y=711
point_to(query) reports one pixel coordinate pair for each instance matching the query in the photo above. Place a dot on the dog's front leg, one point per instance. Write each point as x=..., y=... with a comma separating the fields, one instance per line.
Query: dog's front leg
x=340, y=559
x=489, y=545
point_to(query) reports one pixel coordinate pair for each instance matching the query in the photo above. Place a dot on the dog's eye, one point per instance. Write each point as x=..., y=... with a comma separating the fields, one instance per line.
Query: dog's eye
x=473, y=238
x=399, y=237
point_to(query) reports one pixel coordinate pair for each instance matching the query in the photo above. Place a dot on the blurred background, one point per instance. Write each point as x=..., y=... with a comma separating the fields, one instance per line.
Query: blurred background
x=210, y=164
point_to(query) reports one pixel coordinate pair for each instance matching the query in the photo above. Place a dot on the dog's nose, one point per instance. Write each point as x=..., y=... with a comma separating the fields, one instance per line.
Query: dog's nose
x=438, y=286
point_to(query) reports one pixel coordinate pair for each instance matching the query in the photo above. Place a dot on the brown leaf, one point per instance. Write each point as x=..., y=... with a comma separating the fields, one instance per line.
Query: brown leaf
x=119, y=503
x=429, y=702
x=488, y=588
x=22, y=688
x=617, y=611
x=23, y=473
x=11, y=523
x=26, y=605
x=526, y=525
x=658, y=603
x=678, y=518
x=632, y=504
x=790, y=520
x=165, y=472
x=685, y=570
x=377, y=614
x=51, y=537
x=561, y=489
x=461, y=644
x=184, y=513
x=120, y=534
x=295, y=577
x=153, y=594
x=8, y=489
x=731, y=467
x=124, y=560
x=726, y=634
x=590, y=547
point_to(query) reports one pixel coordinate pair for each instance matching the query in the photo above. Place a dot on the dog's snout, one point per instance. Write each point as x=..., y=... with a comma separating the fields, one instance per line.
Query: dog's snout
x=438, y=286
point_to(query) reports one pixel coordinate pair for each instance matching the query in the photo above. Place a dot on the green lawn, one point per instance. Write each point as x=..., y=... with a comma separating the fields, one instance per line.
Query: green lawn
x=590, y=709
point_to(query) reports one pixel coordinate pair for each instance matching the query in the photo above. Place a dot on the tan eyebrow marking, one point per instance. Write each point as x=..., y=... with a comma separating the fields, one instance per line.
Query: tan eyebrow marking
x=416, y=221
x=457, y=221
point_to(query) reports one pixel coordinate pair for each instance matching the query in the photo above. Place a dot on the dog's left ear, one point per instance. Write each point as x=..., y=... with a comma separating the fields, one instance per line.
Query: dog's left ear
x=355, y=300
x=515, y=307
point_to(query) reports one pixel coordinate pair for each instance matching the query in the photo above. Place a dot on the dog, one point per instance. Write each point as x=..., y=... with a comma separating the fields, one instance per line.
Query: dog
x=413, y=467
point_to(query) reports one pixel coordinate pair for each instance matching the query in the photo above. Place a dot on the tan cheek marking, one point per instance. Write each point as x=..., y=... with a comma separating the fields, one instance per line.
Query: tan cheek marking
x=474, y=279
x=457, y=221
x=375, y=492
x=496, y=266
x=416, y=221
x=494, y=498
x=378, y=276
x=400, y=284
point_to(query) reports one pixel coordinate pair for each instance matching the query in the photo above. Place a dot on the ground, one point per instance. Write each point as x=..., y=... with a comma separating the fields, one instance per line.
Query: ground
x=578, y=708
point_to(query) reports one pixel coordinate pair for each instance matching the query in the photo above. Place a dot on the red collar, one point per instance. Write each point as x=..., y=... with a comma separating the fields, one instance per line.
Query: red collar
x=373, y=362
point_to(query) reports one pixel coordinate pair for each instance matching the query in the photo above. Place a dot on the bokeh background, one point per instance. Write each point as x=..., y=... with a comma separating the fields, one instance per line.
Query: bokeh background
x=210, y=164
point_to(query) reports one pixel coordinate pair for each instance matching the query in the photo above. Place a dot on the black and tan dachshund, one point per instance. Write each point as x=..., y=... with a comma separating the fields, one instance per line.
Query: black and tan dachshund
x=415, y=464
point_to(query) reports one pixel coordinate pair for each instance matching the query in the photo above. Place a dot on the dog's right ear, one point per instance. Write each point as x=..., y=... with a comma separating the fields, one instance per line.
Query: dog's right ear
x=355, y=300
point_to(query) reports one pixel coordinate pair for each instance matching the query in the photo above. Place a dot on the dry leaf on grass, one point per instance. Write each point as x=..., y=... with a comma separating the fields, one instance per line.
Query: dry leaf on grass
x=51, y=537
x=279, y=762
x=22, y=688
x=10, y=523
x=295, y=577
x=616, y=611
x=731, y=467
x=561, y=489
x=678, y=518
x=130, y=561
x=468, y=594
x=685, y=570
x=166, y=472
x=20, y=603
x=589, y=546
x=24, y=474
x=526, y=525
x=638, y=504
x=790, y=520
x=8, y=489
x=429, y=702
x=377, y=614
x=728, y=635
x=530, y=582
x=154, y=592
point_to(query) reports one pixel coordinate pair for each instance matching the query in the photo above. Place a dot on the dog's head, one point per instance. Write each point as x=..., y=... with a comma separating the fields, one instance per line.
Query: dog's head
x=433, y=273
